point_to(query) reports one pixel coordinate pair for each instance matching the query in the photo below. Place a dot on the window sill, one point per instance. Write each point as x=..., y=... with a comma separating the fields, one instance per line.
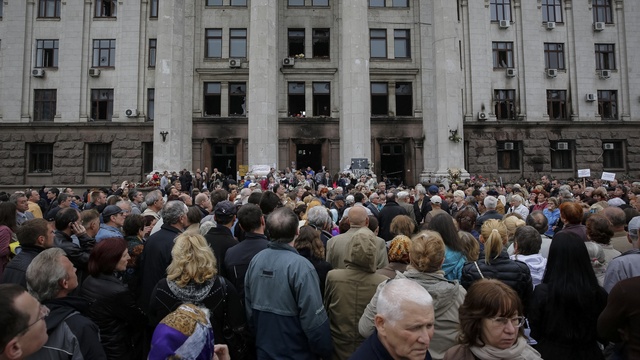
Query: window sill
x=105, y=18
x=104, y=67
x=47, y=18
x=98, y=173
x=41, y=174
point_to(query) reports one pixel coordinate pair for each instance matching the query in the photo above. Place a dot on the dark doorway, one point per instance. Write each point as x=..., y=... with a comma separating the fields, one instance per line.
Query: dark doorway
x=309, y=155
x=392, y=162
x=224, y=158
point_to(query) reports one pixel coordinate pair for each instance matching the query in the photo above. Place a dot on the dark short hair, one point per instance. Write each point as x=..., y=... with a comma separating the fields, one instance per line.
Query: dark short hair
x=133, y=224
x=12, y=319
x=66, y=216
x=373, y=223
x=55, y=190
x=269, y=201
x=282, y=225
x=249, y=217
x=599, y=229
x=63, y=197
x=106, y=255
x=194, y=215
x=31, y=230
x=538, y=221
x=133, y=193
x=528, y=239
x=254, y=198
x=358, y=197
x=217, y=196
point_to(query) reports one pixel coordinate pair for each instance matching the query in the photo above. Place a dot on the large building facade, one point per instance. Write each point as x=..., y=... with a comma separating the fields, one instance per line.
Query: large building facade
x=103, y=90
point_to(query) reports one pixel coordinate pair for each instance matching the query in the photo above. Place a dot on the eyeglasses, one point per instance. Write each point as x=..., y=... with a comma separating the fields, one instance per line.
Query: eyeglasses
x=44, y=312
x=516, y=321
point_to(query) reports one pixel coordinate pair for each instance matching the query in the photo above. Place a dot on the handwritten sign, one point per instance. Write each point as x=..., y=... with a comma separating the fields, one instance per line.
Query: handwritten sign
x=582, y=173
x=607, y=176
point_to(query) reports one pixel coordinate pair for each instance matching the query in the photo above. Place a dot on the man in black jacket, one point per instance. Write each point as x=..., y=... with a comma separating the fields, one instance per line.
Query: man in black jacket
x=72, y=237
x=156, y=255
x=35, y=236
x=390, y=210
x=51, y=277
x=220, y=238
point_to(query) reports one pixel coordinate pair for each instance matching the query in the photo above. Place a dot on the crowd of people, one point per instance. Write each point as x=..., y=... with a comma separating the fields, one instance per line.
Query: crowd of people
x=309, y=265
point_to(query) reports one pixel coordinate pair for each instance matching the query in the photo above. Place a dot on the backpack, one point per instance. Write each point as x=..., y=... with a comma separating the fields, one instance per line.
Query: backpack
x=61, y=345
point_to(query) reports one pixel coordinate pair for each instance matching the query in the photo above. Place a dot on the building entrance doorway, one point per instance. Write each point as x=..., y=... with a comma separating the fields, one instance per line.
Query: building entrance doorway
x=392, y=162
x=309, y=155
x=224, y=158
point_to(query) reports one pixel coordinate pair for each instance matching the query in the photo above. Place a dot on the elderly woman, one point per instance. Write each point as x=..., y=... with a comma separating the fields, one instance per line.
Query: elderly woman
x=113, y=309
x=318, y=217
x=541, y=201
x=552, y=213
x=494, y=263
x=134, y=228
x=599, y=231
x=571, y=214
x=398, y=256
x=491, y=320
x=191, y=278
x=427, y=254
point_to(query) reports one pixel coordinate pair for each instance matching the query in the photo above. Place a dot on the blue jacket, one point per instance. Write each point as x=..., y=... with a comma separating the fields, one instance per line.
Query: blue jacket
x=284, y=306
x=372, y=349
x=453, y=263
x=107, y=231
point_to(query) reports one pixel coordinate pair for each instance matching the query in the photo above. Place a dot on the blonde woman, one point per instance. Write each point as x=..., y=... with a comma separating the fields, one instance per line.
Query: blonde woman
x=494, y=262
x=192, y=278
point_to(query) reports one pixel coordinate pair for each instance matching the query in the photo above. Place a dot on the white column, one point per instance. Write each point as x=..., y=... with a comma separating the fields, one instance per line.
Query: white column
x=263, y=78
x=355, y=94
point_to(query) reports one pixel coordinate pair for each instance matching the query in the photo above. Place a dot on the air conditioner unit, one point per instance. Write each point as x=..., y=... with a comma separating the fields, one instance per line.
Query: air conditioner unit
x=605, y=74
x=289, y=61
x=94, y=72
x=592, y=97
x=131, y=112
x=504, y=24
x=551, y=25
x=511, y=72
x=599, y=26
x=234, y=63
x=552, y=73
x=562, y=146
x=608, y=146
x=508, y=146
x=37, y=72
x=482, y=116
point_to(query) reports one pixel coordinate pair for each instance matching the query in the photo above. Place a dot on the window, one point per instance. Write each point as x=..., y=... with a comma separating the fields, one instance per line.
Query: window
x=404, y=99
x=378, y=39
x=502, y=54
x=602, y=11
x=320, y=3
x=400, y=3
x=104, y=53
x=151, y=104
x=46, y=53
x=401, y=44
x=376, y=3
x=238, y=3
x=554, y=55
x=153, y=43
x=321, y=43
x=99, y=158
x=214, y=2
x=605, y=57
x=504, y=104
x=1, y=5
x=153, y=9
x=552, y=11
x=296, y=99
x=612, y=154
x=562, y=155
x=40, y=158
x=295, y=3
x=101, y=104
x=379, y=99
x=237, y=99
x=212, y=99
x=44, y=104
x=213, y=43
x=321, y=99
x=608, y=104
x=296, y=42
x=238, y=43
x=46, y=9
x=557, y=104
x=147, y=157
x=106, y=8
x=509, y=155
x=500, y=10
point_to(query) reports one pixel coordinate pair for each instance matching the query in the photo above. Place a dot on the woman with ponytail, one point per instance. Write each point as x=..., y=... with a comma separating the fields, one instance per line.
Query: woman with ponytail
x=494, y=262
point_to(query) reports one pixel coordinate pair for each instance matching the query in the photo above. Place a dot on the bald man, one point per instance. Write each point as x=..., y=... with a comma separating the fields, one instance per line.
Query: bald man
x=338, y=246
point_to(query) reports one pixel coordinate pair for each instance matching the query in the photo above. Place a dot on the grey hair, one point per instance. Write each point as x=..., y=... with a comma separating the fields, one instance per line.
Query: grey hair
x=206, y=226
x=44, y=274
x=596, y=254
x=490, y=202
x=421, y=190
x=403, y=195
x=318, y=216
x=152, y=197
x=517, y=198
x=15, y=196
x=565, y=194
x=399, y=291
x=172, y=212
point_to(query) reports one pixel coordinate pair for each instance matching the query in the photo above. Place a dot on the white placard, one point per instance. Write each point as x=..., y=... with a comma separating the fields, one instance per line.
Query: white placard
x=582, y=173
x=260, y=170
x=607, y=176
